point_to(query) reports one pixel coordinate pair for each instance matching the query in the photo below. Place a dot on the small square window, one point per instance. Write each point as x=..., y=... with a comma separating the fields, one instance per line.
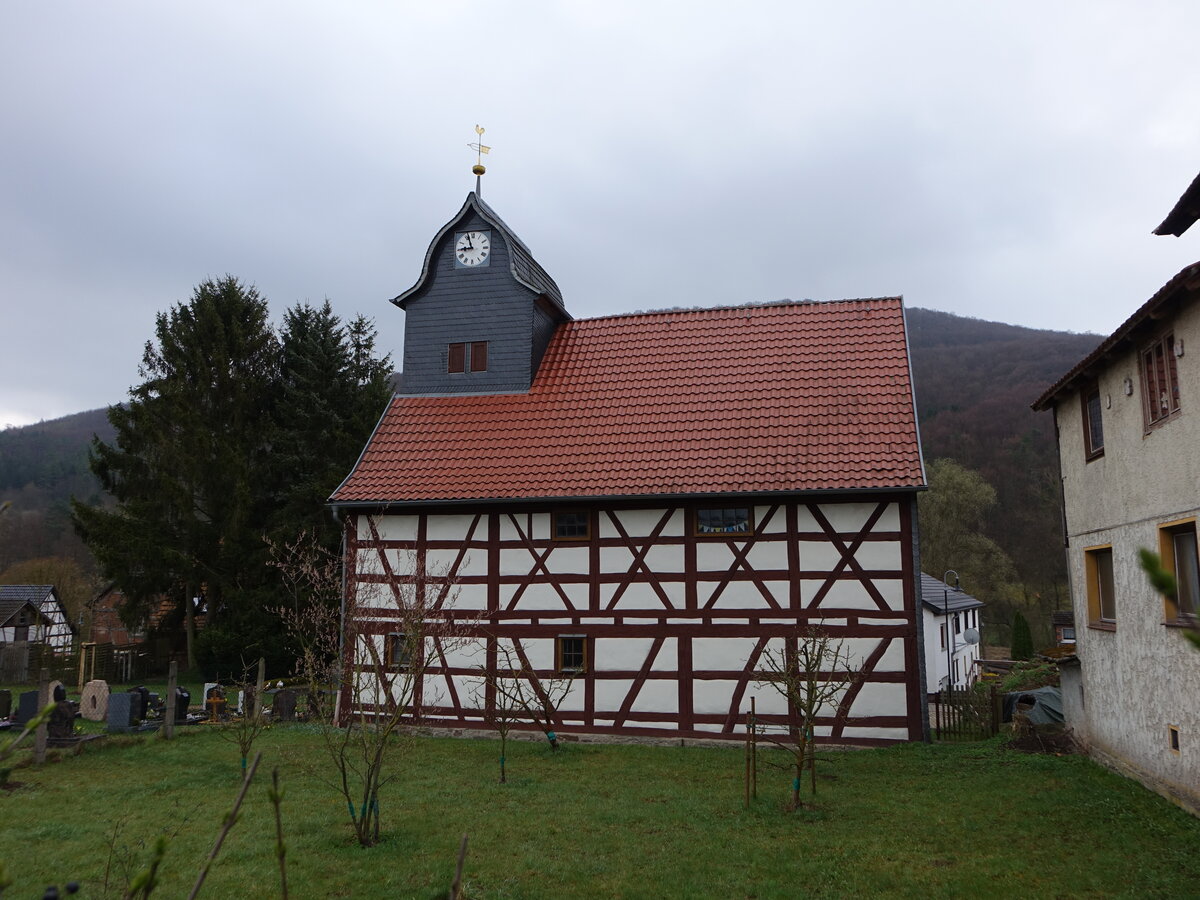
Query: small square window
x=723, y=520
x=571, y=525
x=397, y=653
x=571, y=653
x=1093, y=423
x=467, y=357
x=1101, y=590
x=1160, y=380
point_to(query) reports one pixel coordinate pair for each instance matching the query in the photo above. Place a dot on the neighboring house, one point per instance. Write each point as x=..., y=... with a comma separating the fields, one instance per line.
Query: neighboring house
x=19, y=621
x=951, y=615
x=646, y=502
x=1063, y=621
x=107, y=626
x=1128, y=424
x=52, y=628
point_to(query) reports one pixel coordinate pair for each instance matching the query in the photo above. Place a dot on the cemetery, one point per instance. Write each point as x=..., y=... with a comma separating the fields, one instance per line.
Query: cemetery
x=588, y=819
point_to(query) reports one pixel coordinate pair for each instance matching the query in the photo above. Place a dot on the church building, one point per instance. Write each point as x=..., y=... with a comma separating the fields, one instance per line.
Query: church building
x=643, y=504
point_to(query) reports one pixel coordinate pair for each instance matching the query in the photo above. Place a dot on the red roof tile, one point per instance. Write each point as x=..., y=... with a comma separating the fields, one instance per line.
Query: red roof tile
x=782, y=397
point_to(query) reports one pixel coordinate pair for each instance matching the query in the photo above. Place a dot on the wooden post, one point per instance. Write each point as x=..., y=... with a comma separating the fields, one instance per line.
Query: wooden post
x=753, y=750
x=746, y=775
x=258, y=687
x=39, y=745
x=169, y=724
x=82, y=656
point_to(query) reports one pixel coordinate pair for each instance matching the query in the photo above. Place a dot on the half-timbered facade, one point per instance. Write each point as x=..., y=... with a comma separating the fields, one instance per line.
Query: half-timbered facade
x=643, y=504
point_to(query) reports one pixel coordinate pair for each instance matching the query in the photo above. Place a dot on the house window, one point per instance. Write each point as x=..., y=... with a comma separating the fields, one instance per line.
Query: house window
x=723, y=520
x=1098, y=566
x=570, y=653
x=571, y=525
x=942, y=630
x=957, y=624
x=1173, y=738
x=473, y=354
x=1177, y=547
x=1068, y=634
x=1160, y=380
x=1093, y=424
x=397, y=653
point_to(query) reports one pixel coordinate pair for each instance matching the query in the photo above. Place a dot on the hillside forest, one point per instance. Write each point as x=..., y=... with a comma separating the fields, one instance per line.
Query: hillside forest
x=992, y=512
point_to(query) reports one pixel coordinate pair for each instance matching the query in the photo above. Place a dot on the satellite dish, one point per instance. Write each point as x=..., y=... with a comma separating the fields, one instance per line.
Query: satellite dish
x=971, y=635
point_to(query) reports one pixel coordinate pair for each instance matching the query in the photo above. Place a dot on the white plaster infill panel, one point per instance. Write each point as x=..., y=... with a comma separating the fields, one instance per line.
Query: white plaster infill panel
x=390, y=528
x=657, y=695
x=713, y=696
x=441, y=562
x=777, y=523
x=739, y=595
x=641, y=595
x=767, y=555
x=668, y=558
x=629, y=654
x=455, y=527
x=880, y=699
x=728, y=654
x=842, y=594
x=641, y=523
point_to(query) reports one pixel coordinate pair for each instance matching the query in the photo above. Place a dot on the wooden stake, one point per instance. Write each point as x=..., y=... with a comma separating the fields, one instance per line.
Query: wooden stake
x=169, y=724
x=39, y=741
x=456, y=885
x=258, y=687
x=746, y=779
x=753, y=750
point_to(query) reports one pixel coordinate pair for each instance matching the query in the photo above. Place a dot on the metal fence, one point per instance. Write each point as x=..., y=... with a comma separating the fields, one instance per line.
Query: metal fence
x=966, y=714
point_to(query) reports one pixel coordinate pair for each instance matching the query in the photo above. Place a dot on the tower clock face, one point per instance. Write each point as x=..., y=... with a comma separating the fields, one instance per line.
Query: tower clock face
x=473, y=248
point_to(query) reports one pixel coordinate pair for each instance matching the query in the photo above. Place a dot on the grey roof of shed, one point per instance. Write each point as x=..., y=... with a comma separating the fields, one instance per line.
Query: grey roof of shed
x=10, y=607
x=940, y=597
x=1172, y=295
x=523, y=266
x=34, y=593
x=1185, y=212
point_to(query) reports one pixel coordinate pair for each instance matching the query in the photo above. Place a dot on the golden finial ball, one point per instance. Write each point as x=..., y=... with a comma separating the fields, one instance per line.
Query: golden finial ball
x=478, y=170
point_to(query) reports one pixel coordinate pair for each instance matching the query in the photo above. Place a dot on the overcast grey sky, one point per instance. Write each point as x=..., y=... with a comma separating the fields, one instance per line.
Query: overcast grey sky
x=1000, y=160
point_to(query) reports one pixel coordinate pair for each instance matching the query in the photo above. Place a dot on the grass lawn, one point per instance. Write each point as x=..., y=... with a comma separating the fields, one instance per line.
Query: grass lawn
x=602, y=821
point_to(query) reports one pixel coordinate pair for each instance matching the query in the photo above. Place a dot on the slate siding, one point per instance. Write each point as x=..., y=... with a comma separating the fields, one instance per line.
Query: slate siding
x=487, y=303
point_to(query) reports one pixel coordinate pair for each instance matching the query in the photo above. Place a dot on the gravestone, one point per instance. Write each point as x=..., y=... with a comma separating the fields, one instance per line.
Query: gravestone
x=182, y=699
x=154, y=703
x=214, y=701
x=93, y=702
x=141, y=702
x=5, y=704
x=58, y=691
x=283, y=708
x=27, y=708
x=120, y=712
x=61, y=726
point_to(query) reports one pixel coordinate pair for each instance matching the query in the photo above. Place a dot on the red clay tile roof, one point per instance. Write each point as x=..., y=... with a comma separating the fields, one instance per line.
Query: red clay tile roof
x=781, y=397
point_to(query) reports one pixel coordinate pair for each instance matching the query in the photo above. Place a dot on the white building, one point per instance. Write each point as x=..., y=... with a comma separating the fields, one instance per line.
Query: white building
x=1128, y=424
x=51, y=626
x=951, y=634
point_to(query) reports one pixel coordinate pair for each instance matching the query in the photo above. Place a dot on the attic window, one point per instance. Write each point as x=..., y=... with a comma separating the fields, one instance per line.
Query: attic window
x=1093, y=423
x=724, y=520
x=459, y=355
x=1160, y=380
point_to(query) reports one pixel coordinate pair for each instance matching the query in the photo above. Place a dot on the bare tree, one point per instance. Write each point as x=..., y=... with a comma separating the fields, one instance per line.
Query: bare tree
x=532, y=697
x=501, y=714
x=366, y=667
x=811, y=671
x=245, y=728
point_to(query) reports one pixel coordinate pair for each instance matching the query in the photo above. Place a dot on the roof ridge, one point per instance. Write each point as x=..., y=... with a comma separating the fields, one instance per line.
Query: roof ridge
x=750, y=304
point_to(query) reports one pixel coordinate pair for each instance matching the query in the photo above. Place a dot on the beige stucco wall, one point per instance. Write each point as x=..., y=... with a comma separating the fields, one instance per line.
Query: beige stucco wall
x=1135, y=681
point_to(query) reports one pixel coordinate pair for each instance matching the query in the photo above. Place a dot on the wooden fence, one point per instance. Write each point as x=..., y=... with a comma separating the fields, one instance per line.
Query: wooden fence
x=20, y=663
x=966, y=714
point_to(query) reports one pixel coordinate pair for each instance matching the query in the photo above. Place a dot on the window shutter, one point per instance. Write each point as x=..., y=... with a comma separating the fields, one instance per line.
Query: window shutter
x=456, y=358
x=479, y=356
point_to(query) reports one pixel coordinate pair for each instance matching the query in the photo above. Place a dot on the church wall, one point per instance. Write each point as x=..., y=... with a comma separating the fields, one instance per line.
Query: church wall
x=674, y=622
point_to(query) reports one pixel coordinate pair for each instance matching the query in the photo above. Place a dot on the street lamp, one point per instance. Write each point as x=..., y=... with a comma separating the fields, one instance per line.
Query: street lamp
x=949, y=630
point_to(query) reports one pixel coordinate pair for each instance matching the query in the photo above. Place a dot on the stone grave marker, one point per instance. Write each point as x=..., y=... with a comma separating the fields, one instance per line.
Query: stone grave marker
x=27, y=708
x=120, y=712
x=93, y=702
x=58, y=691
x=283, y=709
x=5, y=704
x=214, y=701
x=61, y=726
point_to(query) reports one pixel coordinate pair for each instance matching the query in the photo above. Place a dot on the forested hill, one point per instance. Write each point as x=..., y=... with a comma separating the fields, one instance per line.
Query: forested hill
x=974, y=383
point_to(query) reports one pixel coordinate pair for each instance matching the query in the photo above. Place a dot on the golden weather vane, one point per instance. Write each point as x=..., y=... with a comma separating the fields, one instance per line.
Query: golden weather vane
x=479, y=149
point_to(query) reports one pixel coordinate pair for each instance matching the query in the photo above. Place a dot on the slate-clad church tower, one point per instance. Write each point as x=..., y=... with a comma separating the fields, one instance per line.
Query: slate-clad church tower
x=482, y=313
x=645, y=504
